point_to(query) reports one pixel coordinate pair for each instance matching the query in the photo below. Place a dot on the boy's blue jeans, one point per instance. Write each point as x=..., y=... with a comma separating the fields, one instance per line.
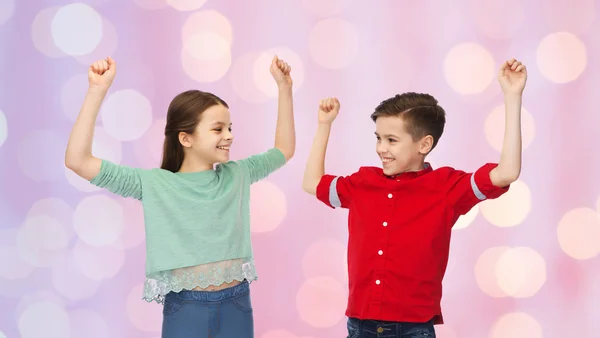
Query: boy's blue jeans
x=225, y=313
x=379, y=329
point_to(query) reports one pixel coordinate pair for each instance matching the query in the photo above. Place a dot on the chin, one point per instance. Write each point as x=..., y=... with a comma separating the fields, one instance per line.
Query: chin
x=390, y=171
x=223, y=159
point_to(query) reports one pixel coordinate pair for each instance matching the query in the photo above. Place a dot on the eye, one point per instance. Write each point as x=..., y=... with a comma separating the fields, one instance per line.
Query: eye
x=392, y=140
x=378, y=138
x=230, y=129
x=218, y=130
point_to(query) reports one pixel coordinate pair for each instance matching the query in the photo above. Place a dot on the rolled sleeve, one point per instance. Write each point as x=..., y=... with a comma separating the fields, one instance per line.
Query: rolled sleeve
x=468, y=189
x=259, y=166
x=481, y=182
x=336, y=191
x=118, y=179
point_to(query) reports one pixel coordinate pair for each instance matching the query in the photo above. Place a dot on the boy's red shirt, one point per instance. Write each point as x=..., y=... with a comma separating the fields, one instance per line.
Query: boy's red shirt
x=399, y=235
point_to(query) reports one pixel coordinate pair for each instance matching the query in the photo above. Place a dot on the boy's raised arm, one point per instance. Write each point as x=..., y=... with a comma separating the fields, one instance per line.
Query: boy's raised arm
x=315, y=166
x=512, y=78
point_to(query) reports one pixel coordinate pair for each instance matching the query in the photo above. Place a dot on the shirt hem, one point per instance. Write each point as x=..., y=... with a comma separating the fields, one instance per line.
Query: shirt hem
x=160, y=299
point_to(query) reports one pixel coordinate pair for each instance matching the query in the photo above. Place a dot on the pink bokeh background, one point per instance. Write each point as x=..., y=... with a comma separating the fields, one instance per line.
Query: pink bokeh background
x=72, y=257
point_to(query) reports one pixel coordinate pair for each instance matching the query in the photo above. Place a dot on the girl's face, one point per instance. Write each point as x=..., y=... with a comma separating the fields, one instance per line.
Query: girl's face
x=212, y=138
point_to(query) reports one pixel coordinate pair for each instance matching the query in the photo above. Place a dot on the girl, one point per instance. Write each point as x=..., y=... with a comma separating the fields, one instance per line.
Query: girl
x=198, y=251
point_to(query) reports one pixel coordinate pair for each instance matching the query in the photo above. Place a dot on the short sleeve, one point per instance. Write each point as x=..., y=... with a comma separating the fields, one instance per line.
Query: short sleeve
x=337, y=191
x=259, y=166
x=121, y=180
x=468, y=189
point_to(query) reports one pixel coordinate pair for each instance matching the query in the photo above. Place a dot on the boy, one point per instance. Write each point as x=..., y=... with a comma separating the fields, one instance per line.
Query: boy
x=401, y=216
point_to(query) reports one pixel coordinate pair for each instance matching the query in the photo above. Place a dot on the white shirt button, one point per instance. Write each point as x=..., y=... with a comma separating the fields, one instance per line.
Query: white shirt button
x=378, y=282
x=390, y=195
x=384, y=224
x=380, y=252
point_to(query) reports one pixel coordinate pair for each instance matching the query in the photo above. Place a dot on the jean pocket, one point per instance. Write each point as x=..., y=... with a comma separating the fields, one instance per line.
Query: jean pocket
x=243, y=303
x=353, y=327
x=171, y=305
x=421, y=331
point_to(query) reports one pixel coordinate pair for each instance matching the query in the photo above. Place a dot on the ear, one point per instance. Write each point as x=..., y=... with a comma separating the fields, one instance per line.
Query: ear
x=185, y=139
x=426, y=144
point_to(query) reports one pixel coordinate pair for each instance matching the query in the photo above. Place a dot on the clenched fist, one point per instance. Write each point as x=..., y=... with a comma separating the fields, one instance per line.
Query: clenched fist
x=281, y=72
x=328, y=110
x=512, y=77
x=102, y=73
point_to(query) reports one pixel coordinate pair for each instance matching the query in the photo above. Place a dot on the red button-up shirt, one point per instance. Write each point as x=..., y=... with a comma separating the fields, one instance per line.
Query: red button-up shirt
x=399, y=235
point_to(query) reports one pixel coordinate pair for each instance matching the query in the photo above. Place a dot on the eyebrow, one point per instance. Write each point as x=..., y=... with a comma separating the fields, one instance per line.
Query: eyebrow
x=220, y=124
x=388, y=135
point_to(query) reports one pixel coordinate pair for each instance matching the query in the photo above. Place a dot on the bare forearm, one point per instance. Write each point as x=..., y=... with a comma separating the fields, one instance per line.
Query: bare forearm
x=315, y=167
x=79, y=148
x=509, y=166
x=285, y=133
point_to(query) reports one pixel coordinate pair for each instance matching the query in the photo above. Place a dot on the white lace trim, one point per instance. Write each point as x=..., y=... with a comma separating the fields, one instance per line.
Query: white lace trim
x=159, y=284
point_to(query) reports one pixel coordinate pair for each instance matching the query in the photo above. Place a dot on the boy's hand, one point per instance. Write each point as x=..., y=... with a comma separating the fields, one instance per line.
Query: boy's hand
x=328, y=110
x=102, y=73
x=512, y=77
x=281, y=72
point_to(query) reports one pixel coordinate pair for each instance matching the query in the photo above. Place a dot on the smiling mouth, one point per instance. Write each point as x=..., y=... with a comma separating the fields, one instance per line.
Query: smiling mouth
x=387, y=160
x=226, y=148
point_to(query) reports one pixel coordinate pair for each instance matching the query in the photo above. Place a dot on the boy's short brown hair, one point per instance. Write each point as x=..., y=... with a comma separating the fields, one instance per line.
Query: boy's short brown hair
x=420, y=112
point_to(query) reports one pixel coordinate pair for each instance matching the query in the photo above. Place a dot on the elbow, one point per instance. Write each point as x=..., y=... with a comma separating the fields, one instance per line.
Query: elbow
x=288, y=153
x=71, y=163
x=309, y=186
x=504, y=176
x=510, y=176
x=309, y=189
x=513, y=177
x=306, y=187
x=510, y=179
x=74, y=163
x=506, y=180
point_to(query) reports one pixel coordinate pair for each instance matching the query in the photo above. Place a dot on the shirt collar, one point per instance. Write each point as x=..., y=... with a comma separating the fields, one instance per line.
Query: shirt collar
x=411, y=174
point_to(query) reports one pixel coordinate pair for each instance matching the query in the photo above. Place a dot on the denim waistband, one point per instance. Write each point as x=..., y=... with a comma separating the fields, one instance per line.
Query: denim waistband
x=212, y=296
x=392, y=329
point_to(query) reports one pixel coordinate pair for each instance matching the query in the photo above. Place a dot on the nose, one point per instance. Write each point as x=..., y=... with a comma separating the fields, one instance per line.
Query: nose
x=229, y=136
x=380, y=148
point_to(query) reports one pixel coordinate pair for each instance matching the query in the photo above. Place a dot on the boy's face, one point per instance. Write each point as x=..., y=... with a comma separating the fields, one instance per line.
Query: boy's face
x=396, y=148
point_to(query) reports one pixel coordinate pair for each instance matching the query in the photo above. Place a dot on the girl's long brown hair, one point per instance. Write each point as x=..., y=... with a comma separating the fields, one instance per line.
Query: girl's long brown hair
x=183, y=115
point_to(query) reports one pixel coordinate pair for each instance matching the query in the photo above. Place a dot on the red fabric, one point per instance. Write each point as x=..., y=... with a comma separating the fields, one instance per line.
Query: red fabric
x=399, y=235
